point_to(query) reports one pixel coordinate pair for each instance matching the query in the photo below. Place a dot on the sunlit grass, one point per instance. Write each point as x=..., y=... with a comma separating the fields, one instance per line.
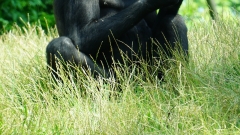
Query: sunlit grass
x=202, y=97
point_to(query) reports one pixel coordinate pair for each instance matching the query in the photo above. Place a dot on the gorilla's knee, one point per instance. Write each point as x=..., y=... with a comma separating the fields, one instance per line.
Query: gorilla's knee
x=181, y=30
x=60, y=48
x=63, y=49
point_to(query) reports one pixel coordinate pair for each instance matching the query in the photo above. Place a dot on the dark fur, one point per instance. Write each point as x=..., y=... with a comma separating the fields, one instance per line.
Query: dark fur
x=94, y=32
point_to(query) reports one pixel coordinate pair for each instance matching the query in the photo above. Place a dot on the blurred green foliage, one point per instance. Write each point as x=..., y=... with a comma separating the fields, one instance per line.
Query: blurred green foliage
x=40, y=11
x=198, y=9
x=32, y=11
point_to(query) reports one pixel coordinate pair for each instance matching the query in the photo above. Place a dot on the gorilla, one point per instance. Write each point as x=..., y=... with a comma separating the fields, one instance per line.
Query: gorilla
x=95, y=33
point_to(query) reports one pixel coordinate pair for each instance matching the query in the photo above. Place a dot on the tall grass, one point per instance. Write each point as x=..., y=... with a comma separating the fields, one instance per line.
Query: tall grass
x=202, y=97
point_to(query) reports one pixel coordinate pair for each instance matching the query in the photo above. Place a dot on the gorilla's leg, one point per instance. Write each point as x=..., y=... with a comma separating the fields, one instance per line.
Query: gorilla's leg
x=63, y=48
x=171, y=32
x=170, y=29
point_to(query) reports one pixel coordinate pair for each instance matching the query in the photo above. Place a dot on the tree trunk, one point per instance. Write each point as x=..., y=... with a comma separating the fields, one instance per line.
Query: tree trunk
x=212, y=9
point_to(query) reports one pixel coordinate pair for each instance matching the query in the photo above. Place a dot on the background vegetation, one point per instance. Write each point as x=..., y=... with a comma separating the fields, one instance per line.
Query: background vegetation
x=19, y=11
x=202, y=97
x=40, y=11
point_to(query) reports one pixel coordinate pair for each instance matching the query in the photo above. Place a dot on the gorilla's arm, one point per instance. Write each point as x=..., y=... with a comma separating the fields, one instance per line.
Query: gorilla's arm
x=80, y=21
